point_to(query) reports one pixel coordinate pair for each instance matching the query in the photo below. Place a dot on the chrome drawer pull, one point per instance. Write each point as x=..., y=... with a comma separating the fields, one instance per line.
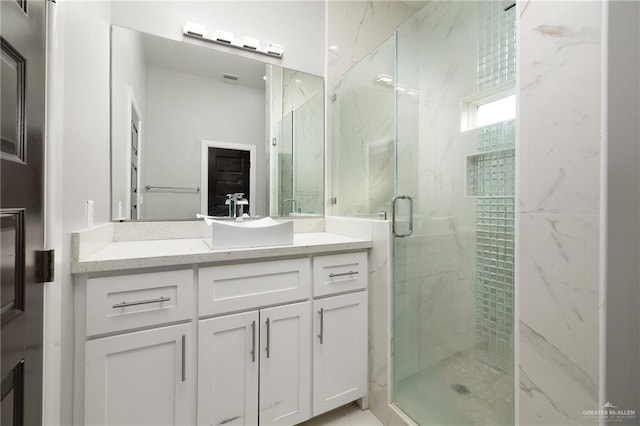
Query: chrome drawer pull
x=342, y=274
x=184, y=356
x=321, y=335
x=141, y=302
x=268, y=345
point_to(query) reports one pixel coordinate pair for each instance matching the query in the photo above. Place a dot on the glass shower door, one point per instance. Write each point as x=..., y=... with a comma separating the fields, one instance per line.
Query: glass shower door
x=445, y=370
x=284, y=166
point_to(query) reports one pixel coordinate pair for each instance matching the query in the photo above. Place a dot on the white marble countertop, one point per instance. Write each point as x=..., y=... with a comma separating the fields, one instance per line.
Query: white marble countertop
x=121, y=255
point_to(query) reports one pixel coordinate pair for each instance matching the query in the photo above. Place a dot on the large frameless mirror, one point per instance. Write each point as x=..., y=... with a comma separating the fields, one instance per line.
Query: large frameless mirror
x=191, y=124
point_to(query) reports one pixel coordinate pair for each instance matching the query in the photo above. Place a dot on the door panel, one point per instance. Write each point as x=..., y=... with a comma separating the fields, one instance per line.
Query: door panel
x=12, y=411
x=12, y=262
x=22, y=89
x=339, y=351
x=13, y=102
x=228, y=370
x=140, y=378
x=228, y=174
x=285, y=364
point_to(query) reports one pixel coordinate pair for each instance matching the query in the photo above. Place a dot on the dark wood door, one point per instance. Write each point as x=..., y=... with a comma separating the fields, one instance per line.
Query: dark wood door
x=133, y=191
x=22, y=87
x=228, y=174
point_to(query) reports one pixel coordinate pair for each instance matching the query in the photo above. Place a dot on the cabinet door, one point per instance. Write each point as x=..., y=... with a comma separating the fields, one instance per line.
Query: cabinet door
x=141, y=378
x=339, y=351
x=228, y=370
x=285, y=364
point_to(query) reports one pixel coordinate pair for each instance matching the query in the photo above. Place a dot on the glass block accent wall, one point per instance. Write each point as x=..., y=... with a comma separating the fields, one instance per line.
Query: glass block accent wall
x=496, y=44
x=491, y=178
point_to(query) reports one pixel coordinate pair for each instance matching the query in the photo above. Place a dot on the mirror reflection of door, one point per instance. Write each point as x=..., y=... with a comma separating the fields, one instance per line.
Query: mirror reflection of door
x=135, y=144
x=22, y=129
x=228, y=173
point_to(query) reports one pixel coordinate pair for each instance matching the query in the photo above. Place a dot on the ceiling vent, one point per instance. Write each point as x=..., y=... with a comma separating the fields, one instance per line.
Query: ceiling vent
x=230, y=77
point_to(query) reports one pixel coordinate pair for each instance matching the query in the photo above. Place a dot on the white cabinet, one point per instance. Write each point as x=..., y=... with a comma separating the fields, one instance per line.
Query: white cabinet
x=246, y=286
x=137, y=300
x=339, y=273
x=228, y=370
x=234, y=350
x=285, y=364
x=141, y=378
x=339, y=351
x=230, y=344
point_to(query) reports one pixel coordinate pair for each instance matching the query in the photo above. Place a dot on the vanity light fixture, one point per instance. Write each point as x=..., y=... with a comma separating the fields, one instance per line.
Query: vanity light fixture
x=223, y=36
x=193, y=29
x=251, y=43
x=227, y=38
x=275, y=50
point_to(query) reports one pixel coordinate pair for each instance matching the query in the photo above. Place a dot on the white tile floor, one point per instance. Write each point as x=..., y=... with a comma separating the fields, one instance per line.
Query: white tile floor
x=350, y=415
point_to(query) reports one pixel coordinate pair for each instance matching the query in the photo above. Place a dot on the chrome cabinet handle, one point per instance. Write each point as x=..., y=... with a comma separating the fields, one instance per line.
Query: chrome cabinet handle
x=141, y=302
x=267, y=349
x=342, y=274
x=321, y=335
x=253, y=341
x=393, y=216
x=184, y=359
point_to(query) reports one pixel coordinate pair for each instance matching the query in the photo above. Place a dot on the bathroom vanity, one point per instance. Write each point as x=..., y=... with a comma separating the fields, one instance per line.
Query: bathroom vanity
x=169, y=331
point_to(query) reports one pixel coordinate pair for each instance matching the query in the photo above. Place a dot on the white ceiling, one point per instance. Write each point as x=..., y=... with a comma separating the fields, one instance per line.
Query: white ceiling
x=202, y=61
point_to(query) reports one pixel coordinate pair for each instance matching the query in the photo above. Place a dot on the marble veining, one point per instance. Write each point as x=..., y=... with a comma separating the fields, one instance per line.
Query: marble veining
x=558, y=203
x=560, y=143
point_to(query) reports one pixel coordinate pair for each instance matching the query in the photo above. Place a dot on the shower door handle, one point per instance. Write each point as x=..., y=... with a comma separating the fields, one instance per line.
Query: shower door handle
x=393, y=215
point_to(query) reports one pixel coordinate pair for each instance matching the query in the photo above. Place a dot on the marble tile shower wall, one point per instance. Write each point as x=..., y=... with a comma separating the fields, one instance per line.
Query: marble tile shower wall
x=558, y=210
x=491, y=178
x=308, y=145
x=364, y=135
x=439, y=54
x=356, y=28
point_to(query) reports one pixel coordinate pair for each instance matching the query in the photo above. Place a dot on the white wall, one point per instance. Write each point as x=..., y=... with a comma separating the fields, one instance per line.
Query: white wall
x=297, y=25
x=183, y=110
x=128, y=85
x=623, y=239
x=81, y=131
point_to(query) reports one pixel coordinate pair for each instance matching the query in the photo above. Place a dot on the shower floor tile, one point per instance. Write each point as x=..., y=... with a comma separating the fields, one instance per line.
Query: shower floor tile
x=429, y=397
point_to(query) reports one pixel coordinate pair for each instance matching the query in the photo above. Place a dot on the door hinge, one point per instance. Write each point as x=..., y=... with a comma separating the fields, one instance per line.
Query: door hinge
x=47, y=266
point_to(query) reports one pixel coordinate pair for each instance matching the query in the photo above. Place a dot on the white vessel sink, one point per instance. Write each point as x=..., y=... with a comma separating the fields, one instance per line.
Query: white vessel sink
x=250, y=233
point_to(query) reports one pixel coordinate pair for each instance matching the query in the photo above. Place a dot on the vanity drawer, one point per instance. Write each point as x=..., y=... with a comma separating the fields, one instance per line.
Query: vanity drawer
x=230, y=288
x=131, y=301
x=339, y=273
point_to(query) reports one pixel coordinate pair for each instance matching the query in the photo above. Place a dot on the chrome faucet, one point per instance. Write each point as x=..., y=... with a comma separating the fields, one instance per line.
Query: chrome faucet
x=236, y=203
x=293, y=204
x=231, y=202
